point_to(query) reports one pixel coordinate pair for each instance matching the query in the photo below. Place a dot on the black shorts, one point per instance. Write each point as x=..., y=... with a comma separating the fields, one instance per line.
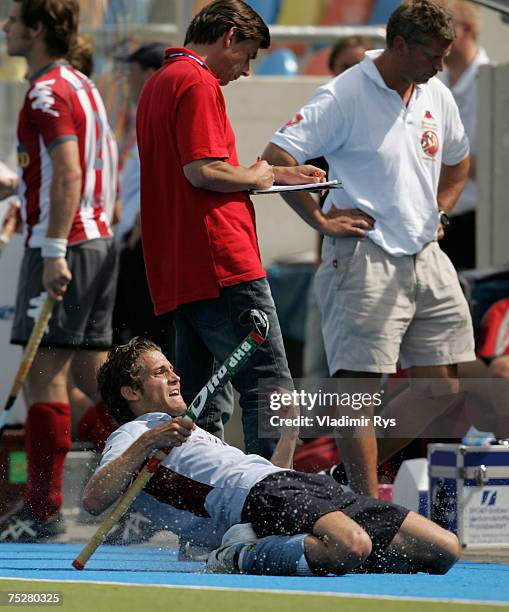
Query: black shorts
x=287, y=503
x=83, y=318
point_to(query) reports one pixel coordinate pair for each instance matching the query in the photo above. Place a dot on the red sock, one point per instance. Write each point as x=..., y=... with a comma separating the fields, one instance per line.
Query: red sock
x=47, y=442
x=96, y=425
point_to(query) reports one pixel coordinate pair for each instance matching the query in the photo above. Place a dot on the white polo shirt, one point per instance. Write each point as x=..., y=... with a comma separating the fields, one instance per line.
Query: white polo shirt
x=387, y=156
x=465, y=94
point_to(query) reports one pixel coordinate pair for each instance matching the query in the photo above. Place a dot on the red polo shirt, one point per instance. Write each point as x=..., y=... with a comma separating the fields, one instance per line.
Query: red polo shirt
x=195, y=241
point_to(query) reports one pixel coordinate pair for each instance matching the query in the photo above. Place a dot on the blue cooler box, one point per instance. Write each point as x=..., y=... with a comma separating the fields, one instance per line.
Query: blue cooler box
x=469, y=492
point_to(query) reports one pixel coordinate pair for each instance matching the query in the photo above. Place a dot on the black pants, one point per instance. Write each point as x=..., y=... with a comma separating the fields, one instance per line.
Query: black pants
x=459, y=241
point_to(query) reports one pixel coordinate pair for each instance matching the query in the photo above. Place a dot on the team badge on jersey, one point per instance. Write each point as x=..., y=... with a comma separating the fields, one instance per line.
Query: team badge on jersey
x=429, y=143
x=42, y=97
x=23, y=157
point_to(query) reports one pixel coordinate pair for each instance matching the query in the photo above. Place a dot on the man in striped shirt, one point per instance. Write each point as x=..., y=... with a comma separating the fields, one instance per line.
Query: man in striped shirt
x=65, y=176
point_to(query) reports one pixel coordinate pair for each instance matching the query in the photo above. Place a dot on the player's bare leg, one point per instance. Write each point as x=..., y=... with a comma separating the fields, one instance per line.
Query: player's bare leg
x=358, y=448
x=337, y=546
x=420, y=546
x=47, y=379
x=90, y=418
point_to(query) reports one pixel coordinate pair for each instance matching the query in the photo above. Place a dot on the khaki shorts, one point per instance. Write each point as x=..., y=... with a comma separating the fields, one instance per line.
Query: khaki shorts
x=377, y=308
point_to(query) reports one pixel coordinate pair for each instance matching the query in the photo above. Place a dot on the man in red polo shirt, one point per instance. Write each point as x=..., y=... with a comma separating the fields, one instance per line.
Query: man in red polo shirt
x=198, y=224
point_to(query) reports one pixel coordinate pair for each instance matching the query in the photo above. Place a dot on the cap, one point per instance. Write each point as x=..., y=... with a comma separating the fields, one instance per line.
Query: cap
x=150, y=55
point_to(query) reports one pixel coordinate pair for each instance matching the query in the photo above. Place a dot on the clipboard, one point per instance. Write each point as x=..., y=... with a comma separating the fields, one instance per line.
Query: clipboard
x=316, y=187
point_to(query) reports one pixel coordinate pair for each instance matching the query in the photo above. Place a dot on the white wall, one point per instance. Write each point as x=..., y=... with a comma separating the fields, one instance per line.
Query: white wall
x=11, y=95
x=494, y=36
x=10, y=356
x=492, y=166
x=493, y=144
x=257, y=107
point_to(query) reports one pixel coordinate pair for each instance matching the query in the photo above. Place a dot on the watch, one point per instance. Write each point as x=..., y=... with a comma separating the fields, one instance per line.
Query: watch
x=444, y=219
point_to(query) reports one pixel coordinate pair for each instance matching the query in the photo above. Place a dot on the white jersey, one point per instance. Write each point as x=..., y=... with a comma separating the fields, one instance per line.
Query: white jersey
x=465, y=94
x=388, y=156
x=204, y=476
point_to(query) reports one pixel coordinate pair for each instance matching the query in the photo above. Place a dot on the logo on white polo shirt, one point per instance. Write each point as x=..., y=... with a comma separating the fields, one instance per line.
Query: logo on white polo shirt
x=429, y=143
x=297, y=119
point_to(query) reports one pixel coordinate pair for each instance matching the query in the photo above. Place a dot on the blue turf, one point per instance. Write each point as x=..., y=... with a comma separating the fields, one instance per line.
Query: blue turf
x=137, y=565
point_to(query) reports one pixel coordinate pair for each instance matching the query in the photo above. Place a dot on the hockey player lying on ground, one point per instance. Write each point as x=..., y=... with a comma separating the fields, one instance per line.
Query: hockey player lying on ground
x=284, y=522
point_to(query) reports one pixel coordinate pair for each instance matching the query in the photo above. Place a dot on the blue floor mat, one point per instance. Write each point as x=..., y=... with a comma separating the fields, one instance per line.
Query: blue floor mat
x=488, y=582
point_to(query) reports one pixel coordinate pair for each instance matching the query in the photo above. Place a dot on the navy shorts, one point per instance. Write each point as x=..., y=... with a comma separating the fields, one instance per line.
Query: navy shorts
x=83, y=318
x=287, y=503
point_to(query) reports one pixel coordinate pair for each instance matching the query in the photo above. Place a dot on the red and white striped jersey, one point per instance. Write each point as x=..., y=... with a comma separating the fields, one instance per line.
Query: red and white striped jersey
x=63, y=104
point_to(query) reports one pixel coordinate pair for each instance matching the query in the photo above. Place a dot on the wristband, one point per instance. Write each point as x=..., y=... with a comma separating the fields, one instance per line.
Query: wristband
x=53, y=247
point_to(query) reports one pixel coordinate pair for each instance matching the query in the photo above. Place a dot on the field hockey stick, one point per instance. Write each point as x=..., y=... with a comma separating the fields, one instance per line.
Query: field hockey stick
x=229, y=368
x=28, y=357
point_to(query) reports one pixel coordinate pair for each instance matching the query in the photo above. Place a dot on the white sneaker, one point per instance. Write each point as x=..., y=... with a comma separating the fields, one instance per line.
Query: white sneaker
x=225, y=559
